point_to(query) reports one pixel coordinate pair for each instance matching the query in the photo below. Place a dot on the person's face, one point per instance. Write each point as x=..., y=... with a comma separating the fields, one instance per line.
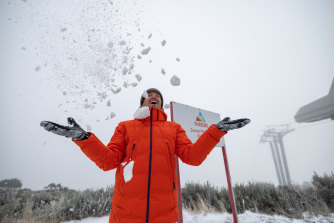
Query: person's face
x=153, y=100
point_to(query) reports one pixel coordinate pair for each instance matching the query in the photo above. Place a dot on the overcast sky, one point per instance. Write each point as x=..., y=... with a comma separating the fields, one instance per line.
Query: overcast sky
x=261, y=60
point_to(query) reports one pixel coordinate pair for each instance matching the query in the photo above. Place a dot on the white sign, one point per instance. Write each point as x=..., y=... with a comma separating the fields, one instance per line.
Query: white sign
x=194, y=120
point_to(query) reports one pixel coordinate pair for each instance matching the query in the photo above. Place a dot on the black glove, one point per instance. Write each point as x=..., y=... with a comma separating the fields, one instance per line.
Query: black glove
x=227, y=124
x=73, y=131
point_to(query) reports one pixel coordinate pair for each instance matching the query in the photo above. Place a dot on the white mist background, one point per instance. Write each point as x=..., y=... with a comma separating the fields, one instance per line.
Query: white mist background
x=257, y=59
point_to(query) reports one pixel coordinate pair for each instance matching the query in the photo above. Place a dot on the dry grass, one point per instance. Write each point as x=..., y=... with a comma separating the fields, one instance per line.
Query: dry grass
x=61, y=204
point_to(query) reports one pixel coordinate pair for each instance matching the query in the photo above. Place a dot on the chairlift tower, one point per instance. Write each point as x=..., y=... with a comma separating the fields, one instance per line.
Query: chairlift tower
x=274, y=136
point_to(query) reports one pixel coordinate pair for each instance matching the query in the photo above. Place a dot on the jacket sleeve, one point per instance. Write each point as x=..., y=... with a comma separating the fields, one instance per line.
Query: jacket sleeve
x=105, y=157
x=195, y=153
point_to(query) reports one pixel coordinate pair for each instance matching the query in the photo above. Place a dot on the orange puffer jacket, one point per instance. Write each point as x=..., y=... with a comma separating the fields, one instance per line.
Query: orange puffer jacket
x=147, y=146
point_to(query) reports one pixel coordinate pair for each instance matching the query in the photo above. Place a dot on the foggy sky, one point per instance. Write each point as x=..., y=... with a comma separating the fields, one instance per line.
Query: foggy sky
x=261, y=60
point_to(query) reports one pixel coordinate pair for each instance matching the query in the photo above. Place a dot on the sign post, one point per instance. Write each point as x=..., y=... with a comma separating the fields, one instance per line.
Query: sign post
x=195, y=121
x=230, y=189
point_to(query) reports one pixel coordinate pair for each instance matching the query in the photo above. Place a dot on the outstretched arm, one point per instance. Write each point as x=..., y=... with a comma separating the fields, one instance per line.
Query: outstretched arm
x=105, y=157
x=196, y=153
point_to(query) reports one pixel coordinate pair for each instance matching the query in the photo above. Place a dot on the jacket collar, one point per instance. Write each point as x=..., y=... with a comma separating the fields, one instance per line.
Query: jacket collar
x=144, y=113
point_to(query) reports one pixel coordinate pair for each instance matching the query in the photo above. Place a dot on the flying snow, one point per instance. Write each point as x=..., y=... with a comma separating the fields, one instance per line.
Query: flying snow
x=145, y=51
x=138, y=77
x=122, y=43
x=175, y=81
x=115, y=47
x=89, y=128
x=110, y=44
x=108, y=103
x=145, y=95
x=115, y=89
x=125, y=84
x=112, y=115
x=86, y=106
x=125, y=70
x=163, y=71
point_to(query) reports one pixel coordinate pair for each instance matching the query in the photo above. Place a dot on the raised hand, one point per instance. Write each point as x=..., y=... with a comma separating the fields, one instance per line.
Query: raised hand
x=227, y=124
x=73, y=131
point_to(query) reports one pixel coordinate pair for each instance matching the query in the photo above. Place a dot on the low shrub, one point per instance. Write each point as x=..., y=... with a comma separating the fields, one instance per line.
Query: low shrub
x=53, y=205
x=57, y=203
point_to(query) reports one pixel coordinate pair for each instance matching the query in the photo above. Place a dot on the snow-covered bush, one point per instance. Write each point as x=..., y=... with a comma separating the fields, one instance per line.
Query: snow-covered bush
x=291, y=201
x=53, y=205
x=57, y=203
x=325, y=187
x=197, y=197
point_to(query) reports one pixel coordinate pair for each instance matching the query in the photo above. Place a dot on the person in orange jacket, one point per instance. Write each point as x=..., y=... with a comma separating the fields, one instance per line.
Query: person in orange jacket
x=143, y=152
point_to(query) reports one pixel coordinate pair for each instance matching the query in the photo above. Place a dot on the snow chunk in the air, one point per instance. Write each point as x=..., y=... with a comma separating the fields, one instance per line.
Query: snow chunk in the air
x=110, y=44
x=125, y=70
x=175, y=81
x=134, y=84
x=149, y=36
x=166, y=106
x=125, y=59
x=64, y=29
x=163, y=43
x=108, y=103
x=102, y=95
x=138, y=77
x=122, y=42
x=115, y=89
x=88, y=127
x=86, y=106
x=145, y=95
x=125, y=84
x=145, y=51
x=112, y=114
x=177, y=59
x=163, y=71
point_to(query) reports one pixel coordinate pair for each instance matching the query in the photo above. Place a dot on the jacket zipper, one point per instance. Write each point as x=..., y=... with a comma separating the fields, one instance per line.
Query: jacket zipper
x=149, y=171
x=171, y=166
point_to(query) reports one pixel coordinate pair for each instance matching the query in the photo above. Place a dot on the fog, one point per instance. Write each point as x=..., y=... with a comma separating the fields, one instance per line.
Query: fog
x=261, y=60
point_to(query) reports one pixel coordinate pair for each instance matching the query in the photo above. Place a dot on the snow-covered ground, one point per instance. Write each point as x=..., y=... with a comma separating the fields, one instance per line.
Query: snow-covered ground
x=247, y=217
